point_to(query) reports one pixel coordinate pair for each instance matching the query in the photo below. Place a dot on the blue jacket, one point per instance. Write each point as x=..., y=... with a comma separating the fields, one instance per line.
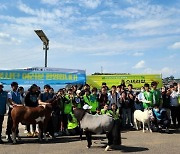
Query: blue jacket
x=157, y=115
x=16, y=98
x=3, y=101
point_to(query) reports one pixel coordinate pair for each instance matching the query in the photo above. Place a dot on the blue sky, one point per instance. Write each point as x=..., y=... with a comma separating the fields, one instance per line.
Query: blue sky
x=122, y=36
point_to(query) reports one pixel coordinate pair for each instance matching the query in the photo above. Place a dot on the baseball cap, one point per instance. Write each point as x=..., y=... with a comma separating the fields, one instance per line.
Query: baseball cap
x=78, y=91
x=87, y=107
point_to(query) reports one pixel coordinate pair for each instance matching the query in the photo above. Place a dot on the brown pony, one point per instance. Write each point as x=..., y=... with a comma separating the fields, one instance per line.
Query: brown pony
x=33, y=115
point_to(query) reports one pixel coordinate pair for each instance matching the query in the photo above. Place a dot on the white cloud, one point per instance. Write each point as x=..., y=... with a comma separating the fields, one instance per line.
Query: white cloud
x=7, y=39
x=51, y=2
x=91, y=3
x=140, y=64
x=3, y=7
x=176, y=45
x=137, y=54
x=165, y=71
x=47, y=14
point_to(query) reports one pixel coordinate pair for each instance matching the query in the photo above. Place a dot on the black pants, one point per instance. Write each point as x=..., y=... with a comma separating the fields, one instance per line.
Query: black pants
x=175, y=114
x=1, y=123
x=56, y=122
x=65, y=121
x=9, y=123
x=50, y=127
x=114, y=136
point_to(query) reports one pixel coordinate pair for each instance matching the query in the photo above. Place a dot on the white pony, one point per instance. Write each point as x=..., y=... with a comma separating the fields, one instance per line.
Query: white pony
x=144, y=117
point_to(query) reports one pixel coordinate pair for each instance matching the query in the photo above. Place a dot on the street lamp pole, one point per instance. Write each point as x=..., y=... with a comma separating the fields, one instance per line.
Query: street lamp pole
x=45, y=47
x=45, y=41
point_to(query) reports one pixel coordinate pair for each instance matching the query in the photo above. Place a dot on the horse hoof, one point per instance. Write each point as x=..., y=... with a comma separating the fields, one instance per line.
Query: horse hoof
x=107, y=148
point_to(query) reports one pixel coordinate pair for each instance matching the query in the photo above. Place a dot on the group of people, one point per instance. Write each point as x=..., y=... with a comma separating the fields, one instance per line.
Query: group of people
x=120, y=102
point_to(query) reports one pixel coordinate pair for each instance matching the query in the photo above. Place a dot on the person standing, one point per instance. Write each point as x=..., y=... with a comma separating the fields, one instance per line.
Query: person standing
x=43, y=100
x=68, y=103
x=114, y=112
x=3, y=102
x=22, y=94
x=14, y=99
x=156, y=93
x=148, y=97
x=103, y=97
x=174, y=106
x=126, y=110
x=113, y=97
x=79, y=99
x=94, y=101
x=31, y=100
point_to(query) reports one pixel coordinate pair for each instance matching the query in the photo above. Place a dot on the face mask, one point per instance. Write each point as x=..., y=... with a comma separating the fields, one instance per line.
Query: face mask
x=142, y=90
x=156, y=110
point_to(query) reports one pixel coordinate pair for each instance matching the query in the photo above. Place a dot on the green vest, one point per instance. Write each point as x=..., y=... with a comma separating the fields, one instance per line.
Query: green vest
x=78, y=102
x=148, y=98
x=105, y=112
x=87, y=100
x=156, y=96
x=68, y=106
x=93, y=102
x=115, y=115
x=73, y=123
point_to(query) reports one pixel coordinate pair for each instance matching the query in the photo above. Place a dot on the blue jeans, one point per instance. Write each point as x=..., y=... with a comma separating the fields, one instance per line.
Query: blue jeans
x=126, y=113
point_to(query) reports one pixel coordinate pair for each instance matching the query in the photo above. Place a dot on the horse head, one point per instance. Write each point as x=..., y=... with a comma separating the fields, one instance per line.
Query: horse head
x=150, y=113
x=53, y=102
x=79, y=113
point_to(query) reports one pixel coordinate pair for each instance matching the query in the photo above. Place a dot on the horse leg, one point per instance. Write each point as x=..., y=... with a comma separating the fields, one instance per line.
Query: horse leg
x=14, y=128
x=143, y=127
x=149, y=126
x=135, y=123
x=89, y=138
x=40, y=127
x=45, y=126
x=80, y=131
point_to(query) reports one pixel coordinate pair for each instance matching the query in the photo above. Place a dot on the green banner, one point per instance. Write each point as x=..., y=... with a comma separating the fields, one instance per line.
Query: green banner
x=137, y=80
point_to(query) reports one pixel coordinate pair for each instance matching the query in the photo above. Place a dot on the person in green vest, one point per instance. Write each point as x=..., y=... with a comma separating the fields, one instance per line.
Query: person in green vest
x=68, y=108
x=98, y=111
x=114, y=111
x=73, y=125
x=157, y=98
x=148, y=97
x=86, y=97
x=94, y=101
x=105, y=109
x=79, y=102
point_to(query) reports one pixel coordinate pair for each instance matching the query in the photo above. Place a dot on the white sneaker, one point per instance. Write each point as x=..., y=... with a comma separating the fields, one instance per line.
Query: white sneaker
x=107, y=148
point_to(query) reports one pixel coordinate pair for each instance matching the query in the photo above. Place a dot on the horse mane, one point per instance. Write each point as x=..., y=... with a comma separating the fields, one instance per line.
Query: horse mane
x=79, y=113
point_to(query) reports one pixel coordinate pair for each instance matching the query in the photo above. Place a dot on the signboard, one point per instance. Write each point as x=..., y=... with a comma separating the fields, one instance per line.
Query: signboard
x=42, y=76
x=137, y=80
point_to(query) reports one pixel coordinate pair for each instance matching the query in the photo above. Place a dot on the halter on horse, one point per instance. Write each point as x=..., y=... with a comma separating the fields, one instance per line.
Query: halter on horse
x=96, y=124
x=32, y=115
